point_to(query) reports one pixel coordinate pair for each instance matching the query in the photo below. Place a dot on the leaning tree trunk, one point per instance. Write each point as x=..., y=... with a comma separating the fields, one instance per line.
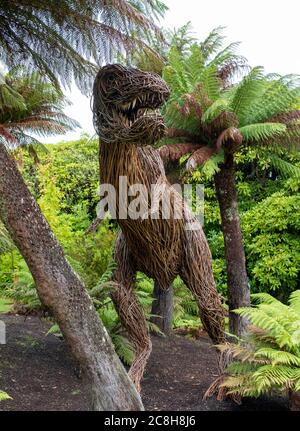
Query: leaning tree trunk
x=237, y=280
x=60, y=289
x=162, y=308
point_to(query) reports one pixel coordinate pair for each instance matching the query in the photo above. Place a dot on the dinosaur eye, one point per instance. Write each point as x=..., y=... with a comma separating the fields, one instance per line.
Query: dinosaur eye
x=110, y=78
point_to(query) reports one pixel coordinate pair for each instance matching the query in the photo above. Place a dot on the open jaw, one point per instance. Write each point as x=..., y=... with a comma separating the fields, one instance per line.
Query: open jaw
x=144, y=105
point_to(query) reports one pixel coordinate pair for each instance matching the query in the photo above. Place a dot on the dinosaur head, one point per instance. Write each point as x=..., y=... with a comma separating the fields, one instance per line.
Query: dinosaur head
x=126, y=104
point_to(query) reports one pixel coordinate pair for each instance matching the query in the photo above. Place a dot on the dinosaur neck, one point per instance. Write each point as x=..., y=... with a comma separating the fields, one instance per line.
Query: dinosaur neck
x=119, y=160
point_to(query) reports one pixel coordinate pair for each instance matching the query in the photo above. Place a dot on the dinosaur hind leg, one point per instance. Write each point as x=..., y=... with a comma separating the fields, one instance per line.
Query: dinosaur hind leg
x=196, y=272
x=130, y=310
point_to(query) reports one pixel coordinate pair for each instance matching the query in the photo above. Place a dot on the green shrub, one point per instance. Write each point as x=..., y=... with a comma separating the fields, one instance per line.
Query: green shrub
x=271, y=232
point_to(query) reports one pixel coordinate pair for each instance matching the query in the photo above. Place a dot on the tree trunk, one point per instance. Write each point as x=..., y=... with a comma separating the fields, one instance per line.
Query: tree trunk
x=294, y=400
x=162, y=307
x=61, y=290
x=238, y=290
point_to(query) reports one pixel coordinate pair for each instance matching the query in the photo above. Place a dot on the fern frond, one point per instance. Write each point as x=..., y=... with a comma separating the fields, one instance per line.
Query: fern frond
x=263, y=297
x=267, y=376
x=276, y=96
x=4, y=396
x=194, y=64
x=286, y=169
x=213, y=42
x=269, y=357
x=123, y=348
x=210, y=81
x=278, y=357
x=215, y=109
x=6, y=243
x=275, y=328
x=246, y=92
x=238, y=368
x=262, y=131
x=294, y=301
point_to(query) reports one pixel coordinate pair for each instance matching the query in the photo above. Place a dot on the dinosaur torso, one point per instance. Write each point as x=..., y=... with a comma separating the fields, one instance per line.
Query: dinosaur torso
x=154, y=244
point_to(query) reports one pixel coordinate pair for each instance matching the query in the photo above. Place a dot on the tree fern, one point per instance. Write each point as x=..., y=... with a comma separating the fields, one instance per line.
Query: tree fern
x=66, y=42
x=36, y=108
x=267, y=358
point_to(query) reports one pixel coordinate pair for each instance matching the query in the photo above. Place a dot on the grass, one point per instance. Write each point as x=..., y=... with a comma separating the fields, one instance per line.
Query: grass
x=5, y=305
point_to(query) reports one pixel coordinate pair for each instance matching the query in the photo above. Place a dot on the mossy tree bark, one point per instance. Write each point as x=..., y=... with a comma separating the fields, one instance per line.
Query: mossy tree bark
x=61, y=290
x=162, y=308
x=237, y=280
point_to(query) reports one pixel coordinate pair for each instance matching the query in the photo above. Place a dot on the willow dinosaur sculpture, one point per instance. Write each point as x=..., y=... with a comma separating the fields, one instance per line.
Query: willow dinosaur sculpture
x=161, y=248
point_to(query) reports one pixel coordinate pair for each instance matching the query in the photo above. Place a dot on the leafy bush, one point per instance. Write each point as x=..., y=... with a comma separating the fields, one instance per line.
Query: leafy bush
x=75, y=167
x=271, y=232
x=268, y=358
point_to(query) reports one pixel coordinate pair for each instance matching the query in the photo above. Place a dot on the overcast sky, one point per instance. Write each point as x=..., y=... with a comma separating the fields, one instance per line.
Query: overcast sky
x=267, y=29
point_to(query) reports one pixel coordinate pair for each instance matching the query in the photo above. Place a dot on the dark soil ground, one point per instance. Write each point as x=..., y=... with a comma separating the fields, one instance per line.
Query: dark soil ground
x=39, y=374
